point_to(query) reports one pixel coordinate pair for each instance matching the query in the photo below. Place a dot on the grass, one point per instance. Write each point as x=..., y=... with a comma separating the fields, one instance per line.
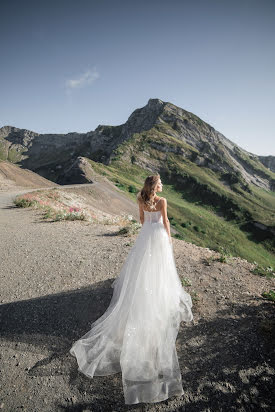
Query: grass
x=186, y=282
x=10, y=153
x=177, y=236
x=255, y=164
x=23, y=202
x=131, y=229
x=224, y=254
x=68, y=216
x=195, y=296
x=260, y=270
x=269, y=295
x=214, y=231
x=48, y=213
x=194, y=221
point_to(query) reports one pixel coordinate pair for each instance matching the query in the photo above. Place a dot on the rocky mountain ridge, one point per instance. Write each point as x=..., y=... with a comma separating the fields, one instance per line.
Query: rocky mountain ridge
x=51, y=155
x=268, y=161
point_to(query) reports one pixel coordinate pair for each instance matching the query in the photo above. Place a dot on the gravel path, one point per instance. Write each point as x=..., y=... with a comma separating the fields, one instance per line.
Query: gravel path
x=55, y=281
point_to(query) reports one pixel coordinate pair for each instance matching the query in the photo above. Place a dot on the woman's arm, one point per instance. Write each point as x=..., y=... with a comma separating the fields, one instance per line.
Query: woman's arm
x=141, y=213
x=165, y=218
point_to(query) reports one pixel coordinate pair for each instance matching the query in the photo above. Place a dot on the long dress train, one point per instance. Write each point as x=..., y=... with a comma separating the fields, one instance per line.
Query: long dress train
x=136, y=335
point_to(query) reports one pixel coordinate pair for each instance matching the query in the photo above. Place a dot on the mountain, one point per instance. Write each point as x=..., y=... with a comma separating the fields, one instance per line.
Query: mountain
x=171, y=130
x=203, y=171
x=268, y=161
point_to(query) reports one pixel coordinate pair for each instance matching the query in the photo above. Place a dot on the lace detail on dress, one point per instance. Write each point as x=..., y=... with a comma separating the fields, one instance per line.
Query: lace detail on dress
x=153, y=217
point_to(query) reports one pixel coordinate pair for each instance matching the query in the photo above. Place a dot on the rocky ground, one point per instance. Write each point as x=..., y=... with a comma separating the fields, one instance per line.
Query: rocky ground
x=56, y=280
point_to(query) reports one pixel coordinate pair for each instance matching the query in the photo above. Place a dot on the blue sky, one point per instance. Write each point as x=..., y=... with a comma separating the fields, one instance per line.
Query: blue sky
x=68, y=66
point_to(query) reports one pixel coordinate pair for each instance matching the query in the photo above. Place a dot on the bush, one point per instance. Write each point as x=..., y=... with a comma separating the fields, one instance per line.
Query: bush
x=186, y=282
x=48, y=213
x=184, y=224
x=69, y=216
x=178, y=236
x=121, y=186
x=132, y=189
x=269, y=295
x=130, y=229
x=224, y=254
x=263, y=271
x=75, y=216
x=195, y=296
x=22, y=202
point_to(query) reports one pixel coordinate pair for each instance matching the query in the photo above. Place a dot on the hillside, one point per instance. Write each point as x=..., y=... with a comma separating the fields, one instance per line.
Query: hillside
x=13, y=176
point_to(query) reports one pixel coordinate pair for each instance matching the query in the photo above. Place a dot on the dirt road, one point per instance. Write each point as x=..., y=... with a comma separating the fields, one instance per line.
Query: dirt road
x=55, y=280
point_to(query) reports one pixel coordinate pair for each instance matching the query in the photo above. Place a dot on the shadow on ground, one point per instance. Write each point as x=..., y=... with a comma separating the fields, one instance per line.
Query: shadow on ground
x=227, y=363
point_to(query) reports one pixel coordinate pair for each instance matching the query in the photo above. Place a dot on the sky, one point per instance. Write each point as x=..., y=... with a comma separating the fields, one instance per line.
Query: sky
x=69, y=66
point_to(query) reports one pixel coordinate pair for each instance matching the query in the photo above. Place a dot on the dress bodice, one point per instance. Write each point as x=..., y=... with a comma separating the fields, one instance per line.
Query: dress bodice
x=153, y=217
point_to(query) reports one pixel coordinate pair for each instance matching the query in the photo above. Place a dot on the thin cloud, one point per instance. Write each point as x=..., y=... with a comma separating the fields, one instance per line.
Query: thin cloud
x=83, y=80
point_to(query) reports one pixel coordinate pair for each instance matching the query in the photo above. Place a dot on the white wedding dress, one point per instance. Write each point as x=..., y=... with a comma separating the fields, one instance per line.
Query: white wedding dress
x=137, y=333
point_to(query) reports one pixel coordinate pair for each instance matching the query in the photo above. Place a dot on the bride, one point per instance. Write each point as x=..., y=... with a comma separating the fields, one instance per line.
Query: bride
x=136, y=335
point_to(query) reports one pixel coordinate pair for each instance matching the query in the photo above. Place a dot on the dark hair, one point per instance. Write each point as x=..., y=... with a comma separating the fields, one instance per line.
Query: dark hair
x=145, y=195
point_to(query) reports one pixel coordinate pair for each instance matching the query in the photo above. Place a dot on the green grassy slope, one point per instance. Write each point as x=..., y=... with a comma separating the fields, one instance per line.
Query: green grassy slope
x=194, y=221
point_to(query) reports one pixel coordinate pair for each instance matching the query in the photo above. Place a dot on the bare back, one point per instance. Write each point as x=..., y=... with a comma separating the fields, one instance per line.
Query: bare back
x=157, y=206
x=160, y=206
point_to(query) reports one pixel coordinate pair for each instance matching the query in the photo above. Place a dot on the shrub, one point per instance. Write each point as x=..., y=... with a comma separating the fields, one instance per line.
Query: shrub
x=263, y=271
x=224, y=254
x=120, y=186
x=75, y=216
x=69, y=216
x=22, y=202
x=208, y=260
x=132, y=189
x=178, y=236
x=186, y=282
x=48, y=213
x=130, y=229
x=195, y=297
x=184, y=224
x=269, y=295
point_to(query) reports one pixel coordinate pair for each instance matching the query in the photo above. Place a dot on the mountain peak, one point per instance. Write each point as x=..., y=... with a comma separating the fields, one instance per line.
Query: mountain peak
x=154, y=102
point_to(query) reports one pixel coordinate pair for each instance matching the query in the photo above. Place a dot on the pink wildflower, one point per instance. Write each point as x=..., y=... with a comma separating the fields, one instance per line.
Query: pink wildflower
x=74, y=209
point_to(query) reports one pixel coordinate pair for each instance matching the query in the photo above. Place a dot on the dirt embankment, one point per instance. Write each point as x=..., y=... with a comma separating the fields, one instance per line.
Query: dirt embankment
x=13, y=177
x=55, y=281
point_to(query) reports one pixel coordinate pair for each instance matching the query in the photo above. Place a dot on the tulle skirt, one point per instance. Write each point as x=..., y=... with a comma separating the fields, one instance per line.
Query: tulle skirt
x=136, y=335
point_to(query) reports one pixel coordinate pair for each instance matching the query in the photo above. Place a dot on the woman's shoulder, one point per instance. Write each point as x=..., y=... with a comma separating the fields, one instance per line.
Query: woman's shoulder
x=162, y=200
